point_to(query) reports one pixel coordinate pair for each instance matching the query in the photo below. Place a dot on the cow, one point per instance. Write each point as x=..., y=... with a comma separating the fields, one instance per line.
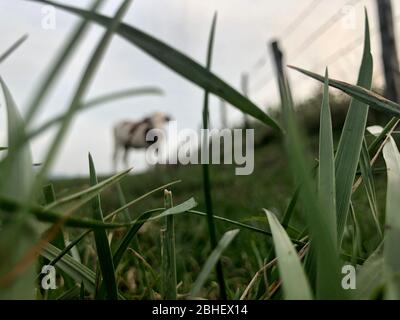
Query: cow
x=132, y=135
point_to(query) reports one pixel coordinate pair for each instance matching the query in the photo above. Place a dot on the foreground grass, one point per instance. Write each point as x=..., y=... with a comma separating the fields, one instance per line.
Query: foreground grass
x=235, y=197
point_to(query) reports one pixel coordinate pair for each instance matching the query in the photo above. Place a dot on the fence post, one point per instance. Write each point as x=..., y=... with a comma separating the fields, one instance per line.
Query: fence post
x=389, y=52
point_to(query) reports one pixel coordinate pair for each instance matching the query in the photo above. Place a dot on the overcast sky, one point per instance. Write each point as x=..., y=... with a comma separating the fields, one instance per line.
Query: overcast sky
x=244, y=28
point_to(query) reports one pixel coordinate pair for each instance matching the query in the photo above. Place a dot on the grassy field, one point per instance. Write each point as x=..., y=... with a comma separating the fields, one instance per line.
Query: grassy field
x=240, y=198
x=317, y=219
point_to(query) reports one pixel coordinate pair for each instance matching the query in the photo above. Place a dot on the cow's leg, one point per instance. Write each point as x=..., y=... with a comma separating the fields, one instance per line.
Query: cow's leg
x=125, y=158
x=115, y=156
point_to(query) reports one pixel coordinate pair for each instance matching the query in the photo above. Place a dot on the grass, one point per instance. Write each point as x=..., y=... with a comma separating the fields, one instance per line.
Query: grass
x=192, y=242
x=301, y=213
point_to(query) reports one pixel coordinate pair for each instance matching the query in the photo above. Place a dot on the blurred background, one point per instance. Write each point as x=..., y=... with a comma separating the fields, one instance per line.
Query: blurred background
x=312, y=33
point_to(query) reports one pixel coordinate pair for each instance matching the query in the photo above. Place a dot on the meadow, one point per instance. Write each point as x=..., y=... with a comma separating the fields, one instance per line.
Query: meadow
x=316, y=220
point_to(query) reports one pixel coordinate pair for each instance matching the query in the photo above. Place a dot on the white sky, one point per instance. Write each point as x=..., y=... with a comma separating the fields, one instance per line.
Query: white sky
x=244, y=28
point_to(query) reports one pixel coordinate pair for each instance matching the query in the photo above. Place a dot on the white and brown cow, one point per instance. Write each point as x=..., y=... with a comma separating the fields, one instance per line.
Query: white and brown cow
x=132, y=135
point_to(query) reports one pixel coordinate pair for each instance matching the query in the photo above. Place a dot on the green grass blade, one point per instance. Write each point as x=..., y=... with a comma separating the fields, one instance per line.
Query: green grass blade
x=11, y=206
x=212, y=260
x=369, y=184
x=19, y=168
x=294, y=280
x=96, y=102
x=58, y=241
x=14, y=47
x=168, y=257
x=375, y=144
x=134, y=227
x=50, y=197
x=350, y=144
x=290, y=208
x=17, y=235
x=70, y=294
x=392, y=235
x=69, y=247
x=326, y=169
x=349, y=149
x=356, y=235
x=83, y=87
x=122, y=201
x=59, y=63
x=367, y=97
x=327, y=258
x=70, y=266
x=124, y=207
x=207, y=191
x=77, y=271
x=179, y=63
x=103, y=249
x=370, y=276
x=240, y=224
x=76, y=200
x=128, y=237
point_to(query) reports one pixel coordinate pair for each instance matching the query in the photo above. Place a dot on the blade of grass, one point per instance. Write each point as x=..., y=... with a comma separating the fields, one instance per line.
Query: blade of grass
x=77, y=271
x=122, y=201
x=290, y=209
x=392, y=235
x=388, y=129
x=14, y=47
x=103, y=249
x=59, y=240
x=55, y=217
x=326, y=181
x=128, y=237
x=328, y=280
x=96, y=102
x=359, y=93
x=212, y=260
x=168, y=257
x=370, y=276
x=11, y=206
x=136, y=225
x=62, y=58
x=206, y=169
x=179, y=63
x=69, y=247
x=326, y=168
x=350, y=144
x=82, y=292
x=76, y=200
x=74, y=269
x=70, y=294
x=357, y=240
x=239, y=224
x=349, y=149
x=369, y=184
x=83, y=87
x=50, y=197
x=294, y=280
x=138, y=262
x=16, y=182
x=131, y=203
